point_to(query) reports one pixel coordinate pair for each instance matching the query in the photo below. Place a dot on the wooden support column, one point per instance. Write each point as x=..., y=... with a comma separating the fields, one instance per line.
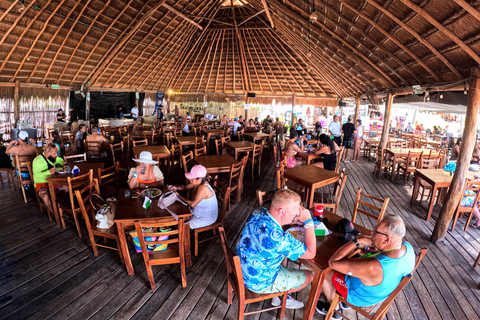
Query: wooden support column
x=386, y=120
x=454, y=194
x=293, y=108
x=357, y=108
x=16, y=102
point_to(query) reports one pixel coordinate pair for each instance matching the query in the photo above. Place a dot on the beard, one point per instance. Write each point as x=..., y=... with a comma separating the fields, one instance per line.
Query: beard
x=52, y=159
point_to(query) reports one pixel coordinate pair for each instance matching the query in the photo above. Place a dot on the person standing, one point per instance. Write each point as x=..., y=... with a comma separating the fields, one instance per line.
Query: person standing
x=60, y=116
x=119, y=112
x=357, y=140
x=348, y=130
x=335, y=130
x=134, y=112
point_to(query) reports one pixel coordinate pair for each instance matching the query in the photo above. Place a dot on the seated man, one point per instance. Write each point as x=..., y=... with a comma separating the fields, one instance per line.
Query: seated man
x=96, y=136
x=43, y=167
x=236, y=126
x=21, y=147
x=263, y=246
x=368, y=280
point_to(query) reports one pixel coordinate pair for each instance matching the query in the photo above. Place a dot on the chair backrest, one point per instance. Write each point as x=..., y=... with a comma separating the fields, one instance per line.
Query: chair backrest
x=275, y=155
x=143, y=142
x=257, y=151
x=78, y=182
x=414, y=158
x=117, y=147
x=261, y=195
x=281, y=180
x=235, y=173
x=83, y=199
x=109, y=175
x=21, y=164
x=396, y=144
x=429, y=164
x=92, y=149
x=223, y=197
x=219, y=146
x=175, y=235
x=234, y=268
x=380, y=210
x=76, y=157
x=338, y=191
x=339, y=158
x=471, y=190
x=187, y=161
x=227, y=138
x=240, y=134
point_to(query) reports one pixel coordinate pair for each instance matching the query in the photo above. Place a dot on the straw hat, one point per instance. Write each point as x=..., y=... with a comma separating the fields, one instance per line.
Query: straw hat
x=145, y=157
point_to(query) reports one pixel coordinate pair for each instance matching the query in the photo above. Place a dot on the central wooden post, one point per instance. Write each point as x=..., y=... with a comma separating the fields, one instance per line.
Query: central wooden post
x=454, y=194
x=16, y=103
x=386, y=120
x=357, y=109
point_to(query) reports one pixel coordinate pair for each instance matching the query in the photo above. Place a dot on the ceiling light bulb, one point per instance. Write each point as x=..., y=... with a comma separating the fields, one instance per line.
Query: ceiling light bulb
x=465, y=91
x=170, y=91
x=441, y=96
x=22, y=7
x=313, y=16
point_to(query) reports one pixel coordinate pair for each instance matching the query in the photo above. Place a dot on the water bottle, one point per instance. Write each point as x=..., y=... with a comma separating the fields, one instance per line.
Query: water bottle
x=68, y=169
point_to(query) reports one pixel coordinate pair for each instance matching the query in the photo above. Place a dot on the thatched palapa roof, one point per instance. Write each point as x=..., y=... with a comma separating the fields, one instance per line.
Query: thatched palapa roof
x=262, y=46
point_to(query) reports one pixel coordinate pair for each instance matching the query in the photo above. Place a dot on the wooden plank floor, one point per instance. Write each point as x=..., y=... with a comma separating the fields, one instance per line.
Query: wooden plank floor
x=50, y=273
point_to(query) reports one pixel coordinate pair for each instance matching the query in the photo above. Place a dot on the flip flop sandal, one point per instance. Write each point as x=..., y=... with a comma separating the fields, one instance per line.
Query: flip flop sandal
x=474, y=226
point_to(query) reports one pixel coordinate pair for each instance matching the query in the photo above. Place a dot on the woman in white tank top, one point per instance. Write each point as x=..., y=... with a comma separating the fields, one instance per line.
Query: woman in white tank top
x=204, y=203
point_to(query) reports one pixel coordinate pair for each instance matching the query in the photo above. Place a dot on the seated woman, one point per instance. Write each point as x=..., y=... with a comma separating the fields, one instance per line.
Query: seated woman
x=456, y=149
x=329, y=150
x=291, y=149
x=250, y=126
x=204, y=203
x=146, y=174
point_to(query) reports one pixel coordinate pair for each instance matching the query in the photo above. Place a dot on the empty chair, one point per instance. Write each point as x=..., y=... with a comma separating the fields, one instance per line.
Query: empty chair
x=337, y=192
x=200, y=151
x=379, y=210
x=256, y=158
x=381, y=163
x=76, y=158
x=235, y=284
x=108, y=180
x=219, y=146
x=410, y=165
x=174, y=253
x=423, y=185
x=143, y=142
x=187, y=162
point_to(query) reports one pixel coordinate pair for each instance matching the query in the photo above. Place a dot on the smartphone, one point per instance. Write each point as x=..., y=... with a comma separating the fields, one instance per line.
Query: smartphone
x=127, y=193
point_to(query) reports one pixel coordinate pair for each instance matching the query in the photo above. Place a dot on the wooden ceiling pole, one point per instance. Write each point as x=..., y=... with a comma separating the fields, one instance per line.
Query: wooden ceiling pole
x=219, y=62
x=253, y=65
x=60, y=27
x=26, y=28
x=443, y=29
x=213, y=61
x=139, y=23
x=14, y=24
x=269, y=15
x=81, y=39
x=251, y=17
x=25, y=56
x=267, y=63
x=204, y=62
x=178, y=13
x=366, y=36
x=57, y=52
x=259, y=61
x=241, y=50
x=14, y=3
x=209, y=19
x=226, y=66
x=462, y=3
x=101, y=39
x=413, y=33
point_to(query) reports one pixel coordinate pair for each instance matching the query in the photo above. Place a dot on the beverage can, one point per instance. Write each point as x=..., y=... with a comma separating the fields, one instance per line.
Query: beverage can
x=318, y=211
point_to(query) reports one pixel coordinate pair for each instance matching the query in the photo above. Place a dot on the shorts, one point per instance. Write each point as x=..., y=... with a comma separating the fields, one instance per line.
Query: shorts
x=41, y=187
x=337, y=140
x=348, y=144
x=291, y=162
x=286, y=279
x=339, y=284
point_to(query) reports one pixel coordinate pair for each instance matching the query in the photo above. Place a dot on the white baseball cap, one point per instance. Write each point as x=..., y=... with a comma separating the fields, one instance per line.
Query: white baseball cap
x=23, y=135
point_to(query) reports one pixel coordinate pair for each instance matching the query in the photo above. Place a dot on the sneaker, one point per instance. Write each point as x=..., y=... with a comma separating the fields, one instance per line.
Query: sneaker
x=323, y=307
x=345, y=161
x=291, y=303
x=344, y=306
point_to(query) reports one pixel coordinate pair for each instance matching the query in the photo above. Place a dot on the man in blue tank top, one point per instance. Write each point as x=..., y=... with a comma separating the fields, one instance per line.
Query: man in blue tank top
x=370, y=278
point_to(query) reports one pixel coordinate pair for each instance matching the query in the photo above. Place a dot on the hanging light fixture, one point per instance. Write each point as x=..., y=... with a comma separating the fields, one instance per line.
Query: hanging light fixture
x=313, y=15
x=22, y=6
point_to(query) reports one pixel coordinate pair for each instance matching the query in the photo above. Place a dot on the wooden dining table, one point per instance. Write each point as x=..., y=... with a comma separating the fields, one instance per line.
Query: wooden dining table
x=438, y=179
x=140, y=133
x=308, y=155
x=216, y=163
x=238, y=147
x=60, y=179
x=158, y=152
x=396, y=153
x=129, y=210
x=254, y=136
x=311, y=177
x=326, y=247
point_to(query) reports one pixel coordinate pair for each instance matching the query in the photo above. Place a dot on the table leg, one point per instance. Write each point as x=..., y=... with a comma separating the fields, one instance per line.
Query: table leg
x=432, y=201
x=394, y=162
x=315, y=291
x=415, y=189
x=310, y=197
x=123, y=244
x=53, y=200
x=187, y=251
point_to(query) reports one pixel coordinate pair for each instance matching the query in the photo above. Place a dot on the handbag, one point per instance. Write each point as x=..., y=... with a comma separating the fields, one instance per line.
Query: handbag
x=167, y=199
x=105, y=211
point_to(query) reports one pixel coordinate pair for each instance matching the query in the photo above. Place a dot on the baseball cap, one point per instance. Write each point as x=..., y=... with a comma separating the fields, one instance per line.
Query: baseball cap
x=23, y=135
x=197, y=171
x=236, y=119
x=346, y=226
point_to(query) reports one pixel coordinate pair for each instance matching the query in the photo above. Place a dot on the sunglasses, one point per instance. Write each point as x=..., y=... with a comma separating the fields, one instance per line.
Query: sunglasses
x=376, y=232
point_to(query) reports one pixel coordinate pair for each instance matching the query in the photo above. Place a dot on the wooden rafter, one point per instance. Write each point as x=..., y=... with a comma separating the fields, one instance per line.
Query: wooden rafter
x=14, y=24
x=260, y=62
x=213, y=61
x=269, y=15
x=8, y=10
x=243, y=58
x=252, y=62
x=204, y=62
x=178, y=13
x=251, y=17
x=219, y=62
x=210, y=19
x=465, y=5
x=414, y=33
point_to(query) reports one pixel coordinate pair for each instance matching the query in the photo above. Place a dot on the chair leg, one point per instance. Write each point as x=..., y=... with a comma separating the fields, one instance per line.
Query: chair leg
x=77, y=224
x=150, y=276
x=183, y=273
x=477, y=261
x=230, y=291
x=454, y=219
x=196, y=242
x=1, y=178
x=60, y=213
x=120, y=250
x=334, y=303
x=23, y=191
x=284, y=304
x=468, y=221
x=13, y=181
x=241, y=309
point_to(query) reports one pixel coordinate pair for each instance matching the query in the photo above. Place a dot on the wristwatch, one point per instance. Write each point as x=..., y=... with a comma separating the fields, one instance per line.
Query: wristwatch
x=354, y=240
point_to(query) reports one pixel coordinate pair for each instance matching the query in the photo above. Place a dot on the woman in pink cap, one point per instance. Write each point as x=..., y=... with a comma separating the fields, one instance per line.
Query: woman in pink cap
x=146, y=174
x=204, y=203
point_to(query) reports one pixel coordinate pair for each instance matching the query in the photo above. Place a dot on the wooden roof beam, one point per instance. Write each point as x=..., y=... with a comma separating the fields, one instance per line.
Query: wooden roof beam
x=243, y=58
x=443, y=29
x=251, y=17
x=209, y=19
x=269, y=15
x=260, y=62
x=178, y=13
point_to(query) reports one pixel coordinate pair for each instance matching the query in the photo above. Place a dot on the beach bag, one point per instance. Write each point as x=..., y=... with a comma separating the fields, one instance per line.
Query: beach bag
x=166, y=200
x=450, y=167
x=105, y=211
x=150, y=247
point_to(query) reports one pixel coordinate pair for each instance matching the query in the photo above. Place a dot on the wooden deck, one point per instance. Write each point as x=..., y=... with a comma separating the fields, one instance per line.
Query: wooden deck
x=49, y=273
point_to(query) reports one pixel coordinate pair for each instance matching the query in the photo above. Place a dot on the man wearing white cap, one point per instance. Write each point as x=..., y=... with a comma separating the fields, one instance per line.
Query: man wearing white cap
x=21, y=147
x=204, y=203
x=146, y=173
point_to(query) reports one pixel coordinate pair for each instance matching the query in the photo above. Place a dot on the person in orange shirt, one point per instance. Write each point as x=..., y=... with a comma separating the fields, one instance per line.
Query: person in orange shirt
x=146, y=174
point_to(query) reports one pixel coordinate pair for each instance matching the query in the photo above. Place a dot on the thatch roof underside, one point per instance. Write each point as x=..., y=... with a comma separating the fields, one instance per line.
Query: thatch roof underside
x=263, y=46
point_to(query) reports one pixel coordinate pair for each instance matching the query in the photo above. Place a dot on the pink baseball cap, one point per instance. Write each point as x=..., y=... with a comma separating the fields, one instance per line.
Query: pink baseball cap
x=197, y=171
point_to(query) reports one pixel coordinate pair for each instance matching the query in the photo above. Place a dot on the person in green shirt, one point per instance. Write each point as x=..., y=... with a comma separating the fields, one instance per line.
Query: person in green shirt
x=43, y=167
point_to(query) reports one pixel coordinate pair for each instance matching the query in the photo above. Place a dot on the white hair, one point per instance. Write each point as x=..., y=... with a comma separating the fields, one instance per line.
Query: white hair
x=394, y=223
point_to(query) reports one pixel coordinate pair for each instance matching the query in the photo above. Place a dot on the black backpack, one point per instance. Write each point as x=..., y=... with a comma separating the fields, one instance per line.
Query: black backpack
x=5, y=161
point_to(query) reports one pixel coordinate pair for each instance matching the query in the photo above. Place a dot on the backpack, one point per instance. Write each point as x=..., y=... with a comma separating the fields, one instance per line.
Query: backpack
x=5, y=161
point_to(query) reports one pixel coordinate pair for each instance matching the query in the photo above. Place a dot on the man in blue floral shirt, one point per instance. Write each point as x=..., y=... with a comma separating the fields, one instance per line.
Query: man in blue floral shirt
x=263, y=246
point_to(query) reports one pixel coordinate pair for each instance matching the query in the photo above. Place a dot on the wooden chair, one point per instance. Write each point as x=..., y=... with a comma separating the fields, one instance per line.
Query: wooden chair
x=22, y=167
x=280, y=171
x=223, y=194
x=117, y=148
x=187, y=162
x=83, y=199
x=384, y=305
x=381, y=210
x=409, y=166
x=339, y=159
x=219, y=146
x=76, y=158
x=471, y=191
x=235, y=284
x=108, y=180
x=40, y=203
x=240, y=134
x=381, y=163
x=70, y=207
x=143, y=142
x=92, y=149
x=200, y=151
x=150, y=137
x=423, y=185
x=174, y=253
x=235, y=178
x=175, y=158
x=337, y=192
x=265, y=197
x=256, y=158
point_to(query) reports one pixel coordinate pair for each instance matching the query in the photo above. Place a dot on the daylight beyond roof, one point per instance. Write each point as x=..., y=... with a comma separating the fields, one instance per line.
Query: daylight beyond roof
x=262, y=46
